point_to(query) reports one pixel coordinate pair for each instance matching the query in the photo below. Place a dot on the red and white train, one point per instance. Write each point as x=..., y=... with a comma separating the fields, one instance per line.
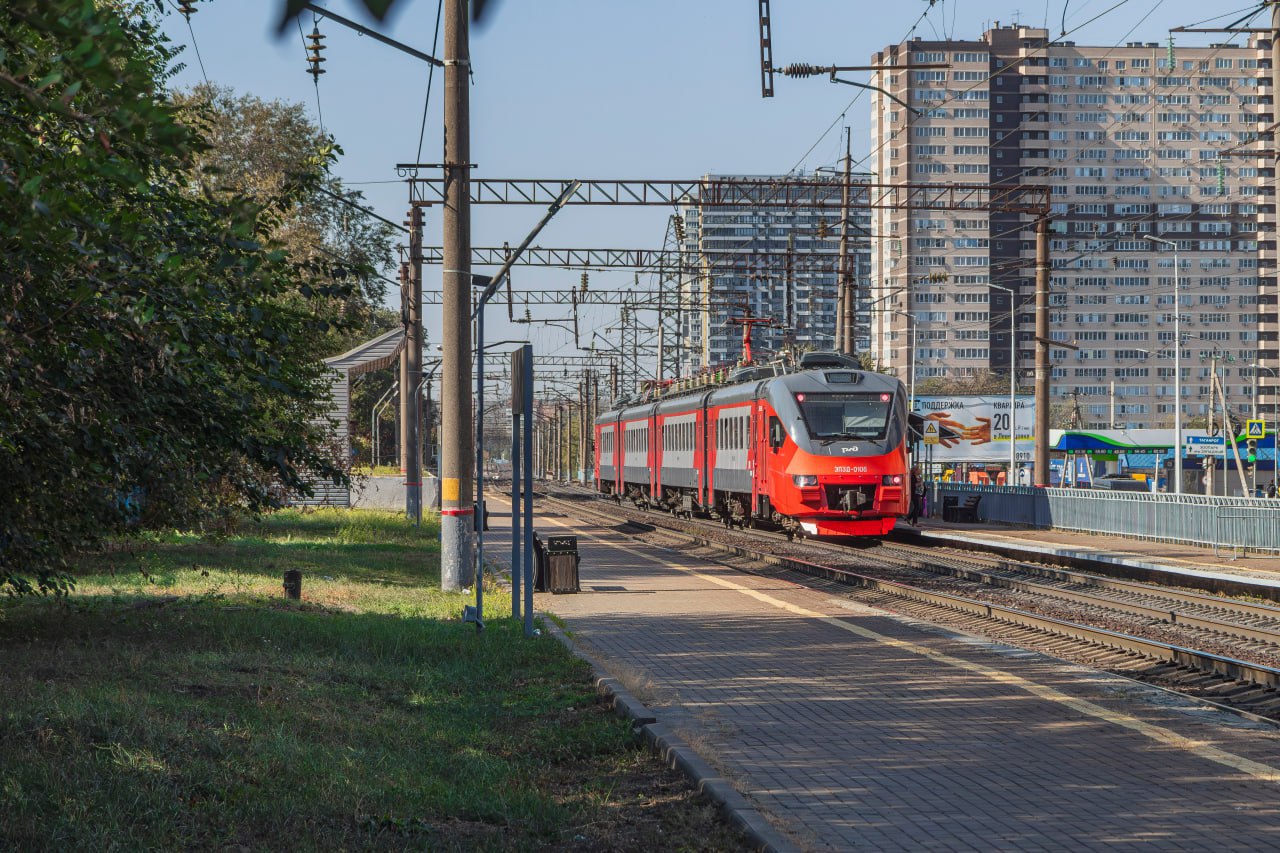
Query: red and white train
x=819, y=452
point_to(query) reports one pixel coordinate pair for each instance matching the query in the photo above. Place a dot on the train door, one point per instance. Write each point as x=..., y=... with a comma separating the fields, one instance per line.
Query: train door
x=655, y=451
x=758, y=457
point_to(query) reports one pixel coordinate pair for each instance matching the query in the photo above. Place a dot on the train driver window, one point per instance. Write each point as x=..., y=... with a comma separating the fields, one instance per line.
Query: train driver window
x=776, y=432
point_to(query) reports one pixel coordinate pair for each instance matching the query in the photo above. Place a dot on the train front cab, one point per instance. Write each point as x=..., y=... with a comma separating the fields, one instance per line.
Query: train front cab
x=832, y=453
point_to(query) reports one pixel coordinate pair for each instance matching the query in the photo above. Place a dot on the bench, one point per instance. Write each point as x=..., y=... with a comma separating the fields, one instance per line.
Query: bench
x=955, y=511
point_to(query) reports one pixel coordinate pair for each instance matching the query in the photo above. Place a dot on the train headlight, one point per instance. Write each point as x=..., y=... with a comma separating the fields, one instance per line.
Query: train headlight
x=803, y=480
x=891, y=480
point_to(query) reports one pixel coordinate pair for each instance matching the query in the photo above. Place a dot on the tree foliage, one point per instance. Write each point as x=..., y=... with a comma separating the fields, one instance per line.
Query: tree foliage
x=256, y=149
x=156, y=363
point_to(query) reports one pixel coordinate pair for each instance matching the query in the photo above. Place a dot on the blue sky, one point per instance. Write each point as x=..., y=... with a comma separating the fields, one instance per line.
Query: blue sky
x=612, y=89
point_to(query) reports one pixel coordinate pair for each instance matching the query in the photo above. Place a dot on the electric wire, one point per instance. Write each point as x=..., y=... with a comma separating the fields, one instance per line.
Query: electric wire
x=431, y=71
x=194, y=44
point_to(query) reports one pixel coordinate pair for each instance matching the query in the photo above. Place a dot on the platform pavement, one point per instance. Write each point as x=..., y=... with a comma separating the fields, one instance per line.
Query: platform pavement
x=1177, y=557
x=851, y=728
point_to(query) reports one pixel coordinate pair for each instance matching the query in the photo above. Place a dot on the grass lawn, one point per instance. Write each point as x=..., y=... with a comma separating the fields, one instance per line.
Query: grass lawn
x=177, y=700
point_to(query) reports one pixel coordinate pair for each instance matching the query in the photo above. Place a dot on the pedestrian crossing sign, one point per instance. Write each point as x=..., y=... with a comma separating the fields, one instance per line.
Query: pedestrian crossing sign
x=931, y=432
x=1255, y=429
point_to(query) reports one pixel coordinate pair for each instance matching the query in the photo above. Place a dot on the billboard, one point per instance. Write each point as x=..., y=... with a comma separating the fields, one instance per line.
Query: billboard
x=976, y=428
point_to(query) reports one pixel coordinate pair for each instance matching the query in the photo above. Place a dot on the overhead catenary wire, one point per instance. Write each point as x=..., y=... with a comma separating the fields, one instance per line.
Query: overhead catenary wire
x=431, y=71
x=186, y=11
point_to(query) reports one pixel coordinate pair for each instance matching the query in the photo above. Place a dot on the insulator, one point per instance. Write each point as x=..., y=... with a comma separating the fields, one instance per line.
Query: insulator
x=678, y=222
x=187, y=8
x=313, y=53
x=584, y=282
x=801, y=69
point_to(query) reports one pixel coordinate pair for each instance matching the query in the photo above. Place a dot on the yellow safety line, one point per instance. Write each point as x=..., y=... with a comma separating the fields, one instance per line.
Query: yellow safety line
x=1156, y=733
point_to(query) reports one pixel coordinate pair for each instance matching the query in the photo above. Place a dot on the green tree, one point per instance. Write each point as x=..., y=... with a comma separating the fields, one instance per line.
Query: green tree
x=256, y=150
x=156, y=355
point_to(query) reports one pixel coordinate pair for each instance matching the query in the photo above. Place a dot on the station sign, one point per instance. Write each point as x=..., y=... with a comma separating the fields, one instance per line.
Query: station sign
x=1205, y=445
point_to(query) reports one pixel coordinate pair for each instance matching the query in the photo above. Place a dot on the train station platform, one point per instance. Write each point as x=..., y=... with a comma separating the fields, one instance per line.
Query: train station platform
x=1256, y=569
x=843, y=727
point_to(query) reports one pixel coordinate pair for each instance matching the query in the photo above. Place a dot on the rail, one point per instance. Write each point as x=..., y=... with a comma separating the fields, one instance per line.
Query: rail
x=1244, y=524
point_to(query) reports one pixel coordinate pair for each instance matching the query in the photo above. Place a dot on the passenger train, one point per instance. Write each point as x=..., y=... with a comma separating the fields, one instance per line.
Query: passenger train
x=822, y=451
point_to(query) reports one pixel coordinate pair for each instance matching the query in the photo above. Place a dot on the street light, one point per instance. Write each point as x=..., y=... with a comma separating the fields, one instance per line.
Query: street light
x=1177, y=363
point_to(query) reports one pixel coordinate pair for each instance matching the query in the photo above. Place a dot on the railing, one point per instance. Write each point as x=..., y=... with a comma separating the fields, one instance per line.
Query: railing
x=1251, y=524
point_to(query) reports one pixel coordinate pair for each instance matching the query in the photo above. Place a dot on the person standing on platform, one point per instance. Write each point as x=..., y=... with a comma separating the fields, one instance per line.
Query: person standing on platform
x=917, y=495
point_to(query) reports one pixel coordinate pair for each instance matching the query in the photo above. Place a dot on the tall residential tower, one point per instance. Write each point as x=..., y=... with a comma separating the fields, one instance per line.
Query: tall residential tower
x=1136, y=141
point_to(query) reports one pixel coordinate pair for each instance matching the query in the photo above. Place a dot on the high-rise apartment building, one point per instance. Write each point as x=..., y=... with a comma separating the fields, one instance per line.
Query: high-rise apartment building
x=1139, y=140
x=771, y=263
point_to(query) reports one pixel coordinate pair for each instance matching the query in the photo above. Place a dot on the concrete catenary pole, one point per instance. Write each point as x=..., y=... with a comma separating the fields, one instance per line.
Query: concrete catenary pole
x=845, y=292
x=457, y=569
x=411, y=390
x=1041, y=472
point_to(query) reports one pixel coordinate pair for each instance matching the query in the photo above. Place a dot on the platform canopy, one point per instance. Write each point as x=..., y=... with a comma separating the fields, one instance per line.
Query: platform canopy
x=1116, y=440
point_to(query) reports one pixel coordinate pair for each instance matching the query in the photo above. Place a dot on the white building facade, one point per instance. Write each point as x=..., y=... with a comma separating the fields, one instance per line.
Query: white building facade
x=772, y=263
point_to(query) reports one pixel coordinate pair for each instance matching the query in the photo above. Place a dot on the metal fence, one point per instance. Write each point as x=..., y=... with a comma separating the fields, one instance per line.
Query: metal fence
x=1251, y=524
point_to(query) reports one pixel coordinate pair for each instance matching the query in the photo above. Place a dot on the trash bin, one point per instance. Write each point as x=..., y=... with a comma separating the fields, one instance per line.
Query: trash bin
x=539, y=565
x=562, y=564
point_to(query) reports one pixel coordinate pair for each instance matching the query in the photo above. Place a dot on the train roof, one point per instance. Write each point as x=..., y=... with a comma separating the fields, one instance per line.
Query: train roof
x=805, y=381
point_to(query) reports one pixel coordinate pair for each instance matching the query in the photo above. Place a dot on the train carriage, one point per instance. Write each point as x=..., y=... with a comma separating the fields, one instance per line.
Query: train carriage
x=820, y=452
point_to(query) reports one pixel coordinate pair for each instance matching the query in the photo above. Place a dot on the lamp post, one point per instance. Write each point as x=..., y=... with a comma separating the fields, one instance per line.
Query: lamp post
x=1177, y=364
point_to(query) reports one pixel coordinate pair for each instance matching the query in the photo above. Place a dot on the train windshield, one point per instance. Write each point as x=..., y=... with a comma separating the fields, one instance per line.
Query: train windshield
x=846, y=416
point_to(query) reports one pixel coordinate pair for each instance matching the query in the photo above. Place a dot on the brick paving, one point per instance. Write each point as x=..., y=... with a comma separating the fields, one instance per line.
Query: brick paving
x=867, y=742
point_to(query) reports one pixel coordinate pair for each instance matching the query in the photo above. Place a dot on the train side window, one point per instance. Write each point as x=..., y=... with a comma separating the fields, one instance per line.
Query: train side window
x=776, y=434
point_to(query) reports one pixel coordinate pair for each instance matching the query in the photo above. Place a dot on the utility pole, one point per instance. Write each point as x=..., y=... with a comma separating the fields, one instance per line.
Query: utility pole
x=1041, y=472
x=411, y=401
x=844, y=287
x=406, y=289
x=457, y=569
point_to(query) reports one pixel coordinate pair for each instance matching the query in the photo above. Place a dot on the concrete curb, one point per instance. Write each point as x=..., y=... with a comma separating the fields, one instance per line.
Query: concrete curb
x=678, y=755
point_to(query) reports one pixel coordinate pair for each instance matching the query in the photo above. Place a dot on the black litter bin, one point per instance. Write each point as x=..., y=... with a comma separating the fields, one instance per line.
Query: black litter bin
x=562, y=564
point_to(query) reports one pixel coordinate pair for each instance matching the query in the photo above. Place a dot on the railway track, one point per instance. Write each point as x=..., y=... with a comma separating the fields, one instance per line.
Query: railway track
x=1223, y=651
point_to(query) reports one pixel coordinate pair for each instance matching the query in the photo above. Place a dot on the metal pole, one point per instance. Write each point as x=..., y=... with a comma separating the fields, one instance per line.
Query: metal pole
x=1041, y=470
x=527, y=380
x=517, y=411
x=456, y=522
x=1253, y=414
x=411, y=399
x=1177, y=374
x=406, y=289
x=480, y=514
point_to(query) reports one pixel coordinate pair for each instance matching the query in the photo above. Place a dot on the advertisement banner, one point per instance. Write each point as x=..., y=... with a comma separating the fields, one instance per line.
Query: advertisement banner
x=977, y=428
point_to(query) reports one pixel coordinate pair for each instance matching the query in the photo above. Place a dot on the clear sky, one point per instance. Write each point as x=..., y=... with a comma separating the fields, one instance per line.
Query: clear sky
x=614, y=89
